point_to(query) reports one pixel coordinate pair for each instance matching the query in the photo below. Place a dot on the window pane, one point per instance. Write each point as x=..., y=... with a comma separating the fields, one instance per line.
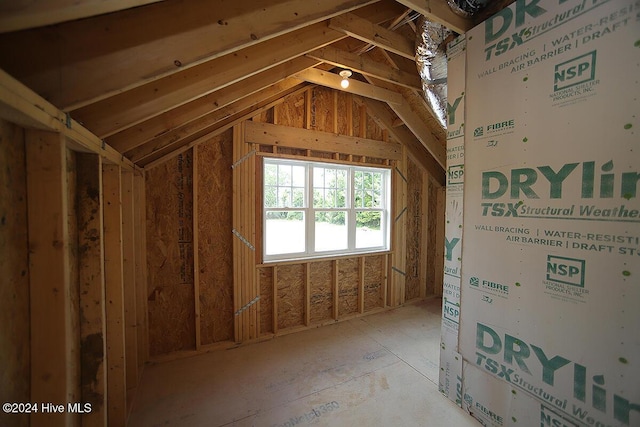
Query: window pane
x=330, y=187
x=285, y=232
x=270, y=174
x=331, y=231
x=284, y=174
x=369, y=232
x=299, y=176
x=270, y=197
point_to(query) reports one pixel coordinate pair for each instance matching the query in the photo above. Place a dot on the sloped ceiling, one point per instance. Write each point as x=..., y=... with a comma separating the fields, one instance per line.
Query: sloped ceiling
x=149, y=77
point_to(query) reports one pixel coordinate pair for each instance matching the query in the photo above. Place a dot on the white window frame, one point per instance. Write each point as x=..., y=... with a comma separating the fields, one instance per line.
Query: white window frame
x=310, y=211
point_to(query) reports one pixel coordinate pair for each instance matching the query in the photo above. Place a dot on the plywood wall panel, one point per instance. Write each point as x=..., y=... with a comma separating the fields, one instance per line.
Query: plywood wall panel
x=291, y=295
x=291, y=111
x=374, y=278
x=169, y=199
x=265, y=283
x=171, y=319
x=348, y=283
x=414, y=251
x=321, y=299
x=345, y=109
x=322, y=109
x=373, y=130
x=14, y=270
x=215, y=244
x=357, y=111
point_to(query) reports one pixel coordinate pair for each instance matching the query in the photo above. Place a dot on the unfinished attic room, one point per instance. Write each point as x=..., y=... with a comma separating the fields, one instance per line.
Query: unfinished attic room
x=336, y=213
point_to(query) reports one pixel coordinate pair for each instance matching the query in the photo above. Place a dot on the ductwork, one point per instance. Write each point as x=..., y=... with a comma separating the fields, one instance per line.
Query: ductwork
x=466, y=8
x=431, y=58
x=431, y=61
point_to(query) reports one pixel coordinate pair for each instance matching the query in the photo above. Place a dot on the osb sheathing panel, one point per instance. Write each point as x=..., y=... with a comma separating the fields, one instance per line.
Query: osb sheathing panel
x=14, y=270
x=322, y=109
x=171, y=319
x=291, y=295
x=348, y=283
x=169, y=196
x=265, y=283
x=215, y=244
x=414, y=232
x=321, y=301
x=356, y=119
x=374, y=282
x=373, y=130
x=344, y=99
x=290, y=112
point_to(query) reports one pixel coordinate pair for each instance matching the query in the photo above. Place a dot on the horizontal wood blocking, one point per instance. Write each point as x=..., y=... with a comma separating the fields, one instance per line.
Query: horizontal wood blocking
x=333, y=81
x=268, y=134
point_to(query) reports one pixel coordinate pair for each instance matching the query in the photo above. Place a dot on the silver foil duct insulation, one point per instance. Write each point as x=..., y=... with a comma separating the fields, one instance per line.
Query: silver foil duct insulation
x=431, y=60
x=466, y=8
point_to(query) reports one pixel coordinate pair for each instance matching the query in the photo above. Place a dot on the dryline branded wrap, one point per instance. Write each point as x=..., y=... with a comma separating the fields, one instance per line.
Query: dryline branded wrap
x=550, y=274
x=450, y=381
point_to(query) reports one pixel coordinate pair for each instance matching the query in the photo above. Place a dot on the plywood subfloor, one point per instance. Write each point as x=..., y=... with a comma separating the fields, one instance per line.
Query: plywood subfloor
x=380, y=370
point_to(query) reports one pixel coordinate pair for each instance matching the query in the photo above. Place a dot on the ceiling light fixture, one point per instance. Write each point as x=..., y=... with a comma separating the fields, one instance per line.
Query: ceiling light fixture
x=345, y=74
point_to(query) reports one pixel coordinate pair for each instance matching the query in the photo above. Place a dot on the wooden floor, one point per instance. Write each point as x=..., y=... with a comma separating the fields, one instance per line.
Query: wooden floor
x=381, y=370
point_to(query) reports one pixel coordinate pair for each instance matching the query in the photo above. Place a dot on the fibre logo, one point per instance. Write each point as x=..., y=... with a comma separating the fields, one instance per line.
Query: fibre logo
x=575, y=71
x=566, y=270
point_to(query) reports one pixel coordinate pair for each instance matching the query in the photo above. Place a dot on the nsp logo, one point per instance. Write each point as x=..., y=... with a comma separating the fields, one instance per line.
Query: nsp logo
x=578, y=70
x=549, y=418
x=455, y=174
x=451, y=311
x=566, y=270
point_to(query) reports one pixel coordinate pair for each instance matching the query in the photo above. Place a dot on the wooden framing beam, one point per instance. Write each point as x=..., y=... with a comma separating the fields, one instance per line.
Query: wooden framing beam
x=369, y=32
x=363, y=65
x=129, y=279
x=141, y=269
x=194, y=127
x=273, y=80
x=226, y=118
x=91, y=276
x=20, y=105
x=268, y=134
x=418, y=127
x=49, y=275
x=113, y=255
x=161, y=49
x=24, y=14
x=331, y=80
x=439, y=11
x=399, y=232
x=385, y=119
x=131, y=107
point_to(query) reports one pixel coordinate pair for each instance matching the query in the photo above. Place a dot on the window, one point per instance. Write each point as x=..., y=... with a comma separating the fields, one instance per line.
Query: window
x=320, y=209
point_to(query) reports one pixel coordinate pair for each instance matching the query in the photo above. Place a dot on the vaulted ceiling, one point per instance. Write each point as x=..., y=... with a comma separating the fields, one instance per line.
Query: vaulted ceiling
x=150, y=77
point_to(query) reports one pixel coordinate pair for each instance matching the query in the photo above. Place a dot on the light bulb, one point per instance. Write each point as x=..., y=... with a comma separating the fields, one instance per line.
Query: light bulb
x=345, y=74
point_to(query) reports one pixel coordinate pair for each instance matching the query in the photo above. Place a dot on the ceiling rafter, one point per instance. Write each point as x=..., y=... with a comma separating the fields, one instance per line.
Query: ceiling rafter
x=439, y=11
x=244, y=108
x=363, y=65
x=156, y=126
x=23, y=15
x=369, y=32
x=385, y=119
x=81, y=61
